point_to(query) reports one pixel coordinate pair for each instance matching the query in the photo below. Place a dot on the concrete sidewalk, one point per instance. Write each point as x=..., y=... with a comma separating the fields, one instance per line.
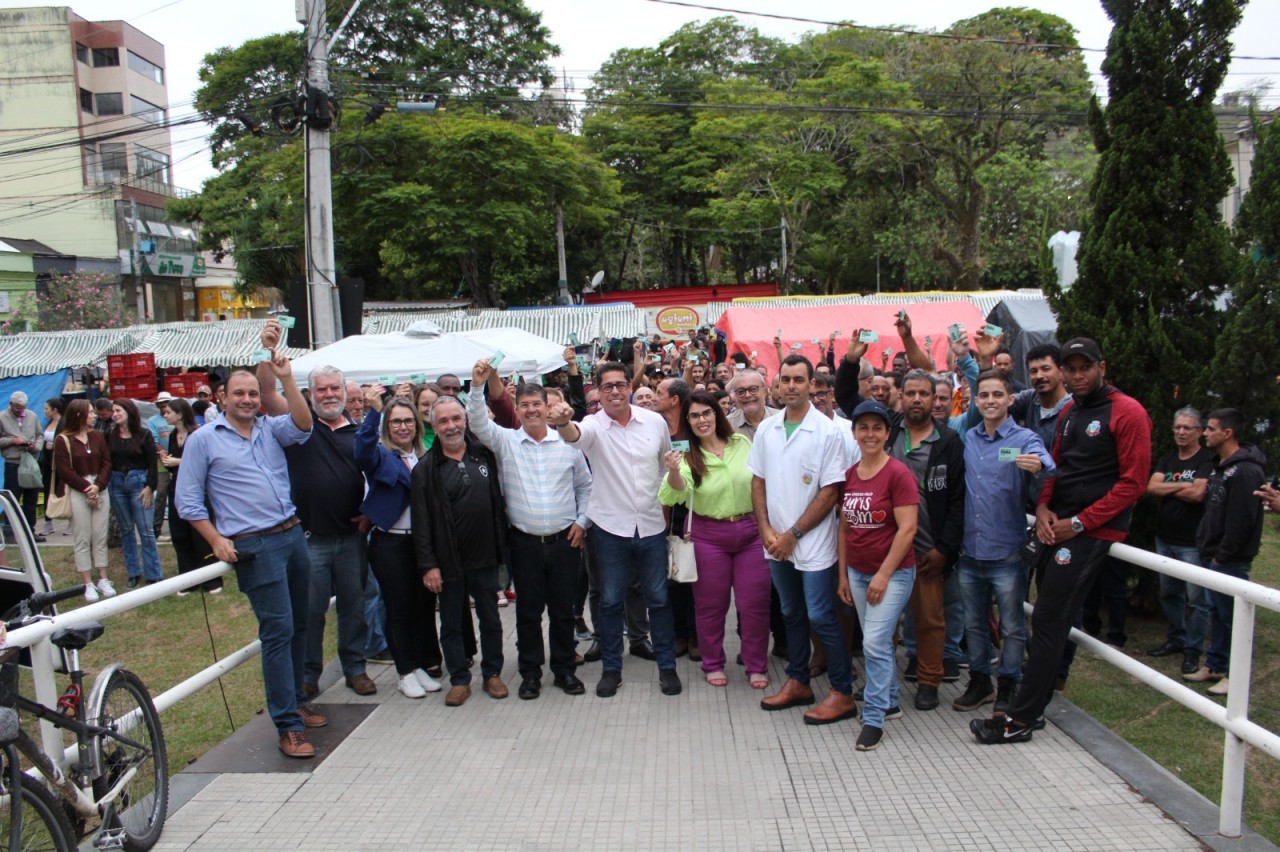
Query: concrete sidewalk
x=706, y=770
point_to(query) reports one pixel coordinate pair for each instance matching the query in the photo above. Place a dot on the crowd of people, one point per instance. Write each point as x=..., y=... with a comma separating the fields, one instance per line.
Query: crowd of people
x=841, y=508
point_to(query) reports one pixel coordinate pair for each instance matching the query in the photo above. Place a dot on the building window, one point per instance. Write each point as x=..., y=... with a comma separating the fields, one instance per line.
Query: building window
x=86, y=101
x=151, y=164
x=110, y=103
x=145, y=110
x=146, y=68
x=82, y=53
x=106, y=57
x=115, y=160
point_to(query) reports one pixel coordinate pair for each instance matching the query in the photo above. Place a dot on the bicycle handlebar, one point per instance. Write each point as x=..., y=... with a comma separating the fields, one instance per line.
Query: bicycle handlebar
x=40, y=601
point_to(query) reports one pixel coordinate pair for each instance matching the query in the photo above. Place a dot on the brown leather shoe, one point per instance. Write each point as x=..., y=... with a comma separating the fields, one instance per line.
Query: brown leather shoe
x=457, y=696
x=362, y=684
x=792, y=694
x=310, y=690
x=310, y=718
x=834, y=707
x=294, y=744
x=495, y=687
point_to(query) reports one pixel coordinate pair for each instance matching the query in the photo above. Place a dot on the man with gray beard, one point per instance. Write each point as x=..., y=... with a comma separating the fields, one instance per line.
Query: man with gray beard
x=328, y=488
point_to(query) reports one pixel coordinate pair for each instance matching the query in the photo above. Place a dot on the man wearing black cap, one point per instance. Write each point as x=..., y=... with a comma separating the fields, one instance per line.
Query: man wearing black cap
x=1102, y=447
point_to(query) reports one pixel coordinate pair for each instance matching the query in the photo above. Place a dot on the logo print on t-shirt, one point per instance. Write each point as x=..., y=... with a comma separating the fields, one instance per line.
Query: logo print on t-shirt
x=1063, y=556
x=484, y=470
x=807, y=479
x=1094, y=429
x=879, y=515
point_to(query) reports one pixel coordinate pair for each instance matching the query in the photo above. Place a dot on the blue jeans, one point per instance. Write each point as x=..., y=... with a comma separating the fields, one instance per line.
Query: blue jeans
x=275, y=579
x=618, y=558
x=808, y=601
x=375, y=618
x=126, y=502
x=1219, y=659
x=980, y=579
x=339, y=566
x=878, y=624
x=953, y=616
x=1186, y=605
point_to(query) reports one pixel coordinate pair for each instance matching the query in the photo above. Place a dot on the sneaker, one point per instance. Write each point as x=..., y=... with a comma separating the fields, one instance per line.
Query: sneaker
x=382, y=658
x=581, y=633
x=182, y=593
x=163, y=539
x=105, y=587
x=1190, y=662
x=132, y=582
x=502, y=600
x=510, y=594
x=670, y=682
x=912, y=666
x=950, y=671
x=999, y=731
x=1202, y=675
x=869, y=738
x=979, y=692
x=609, y=682
x=91, y=593
x=1006, y=689
x=894, y=712
x=1219, y=688
x=216, y=590
x=426, y=681
x=47, y=528
x=411, y=688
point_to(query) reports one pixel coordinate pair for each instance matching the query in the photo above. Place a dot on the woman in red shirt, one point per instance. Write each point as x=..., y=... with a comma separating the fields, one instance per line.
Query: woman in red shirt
x=878, y=514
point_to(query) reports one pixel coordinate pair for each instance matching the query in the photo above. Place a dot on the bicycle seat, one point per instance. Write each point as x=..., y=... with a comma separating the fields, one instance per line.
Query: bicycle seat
x=75, y=638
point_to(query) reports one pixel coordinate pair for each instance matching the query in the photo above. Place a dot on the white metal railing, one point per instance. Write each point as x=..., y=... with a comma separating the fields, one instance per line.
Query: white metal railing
x=1234, y=717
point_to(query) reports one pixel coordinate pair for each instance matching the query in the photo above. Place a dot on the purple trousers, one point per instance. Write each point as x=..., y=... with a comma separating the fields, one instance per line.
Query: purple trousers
x=731, y=560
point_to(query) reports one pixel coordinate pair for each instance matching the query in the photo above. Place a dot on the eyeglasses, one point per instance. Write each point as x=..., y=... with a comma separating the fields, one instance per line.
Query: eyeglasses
x=408, y=423
x=611, y=387
x=462, y=469
x=822, y=394
x=753, y=390
x=705, y=414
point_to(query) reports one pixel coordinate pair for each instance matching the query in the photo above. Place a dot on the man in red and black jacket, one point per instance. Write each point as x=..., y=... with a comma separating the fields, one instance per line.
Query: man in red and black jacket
x=1102, y=446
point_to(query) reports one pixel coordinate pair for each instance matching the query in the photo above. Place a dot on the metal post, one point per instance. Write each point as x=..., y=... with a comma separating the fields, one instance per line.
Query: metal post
x=563, y=295
x=782, y=266
x=1231, y=809
x=321, y=279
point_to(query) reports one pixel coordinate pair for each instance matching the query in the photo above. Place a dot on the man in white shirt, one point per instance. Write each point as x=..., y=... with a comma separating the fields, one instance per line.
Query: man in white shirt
x=625, y=446
x=798, y=462
x=546, y=485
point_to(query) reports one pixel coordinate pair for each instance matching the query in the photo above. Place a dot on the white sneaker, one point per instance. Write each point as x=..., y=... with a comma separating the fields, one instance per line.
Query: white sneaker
x=47, y=529
x=90, y=593
x=1219, y=688
x=108, y=590
x=410, y=688
x=427, y=682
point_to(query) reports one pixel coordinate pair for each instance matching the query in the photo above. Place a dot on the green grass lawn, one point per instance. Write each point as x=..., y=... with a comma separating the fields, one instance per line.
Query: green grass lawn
x=1181, y=741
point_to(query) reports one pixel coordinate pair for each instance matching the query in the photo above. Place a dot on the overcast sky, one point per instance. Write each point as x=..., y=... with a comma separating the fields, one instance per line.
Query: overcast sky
x=588, y=31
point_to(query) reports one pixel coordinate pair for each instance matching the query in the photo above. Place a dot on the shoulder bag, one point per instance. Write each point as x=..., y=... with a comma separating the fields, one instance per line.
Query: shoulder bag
x=681, y=566
x=58, y=508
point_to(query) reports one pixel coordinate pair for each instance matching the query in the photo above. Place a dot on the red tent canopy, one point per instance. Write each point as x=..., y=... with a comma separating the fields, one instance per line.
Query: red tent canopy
x=751, y=329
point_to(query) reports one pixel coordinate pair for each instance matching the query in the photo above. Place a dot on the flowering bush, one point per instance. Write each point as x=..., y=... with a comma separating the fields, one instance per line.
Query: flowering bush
x=74, y=301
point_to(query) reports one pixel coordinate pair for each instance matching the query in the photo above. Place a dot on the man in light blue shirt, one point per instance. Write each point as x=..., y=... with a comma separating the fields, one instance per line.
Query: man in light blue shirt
x=546, y=485
x=1001, y=462
x=237, y=465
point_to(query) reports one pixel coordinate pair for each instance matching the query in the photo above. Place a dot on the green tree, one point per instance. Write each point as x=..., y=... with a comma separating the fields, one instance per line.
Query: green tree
x=1245, y=372
x=78, y=300
x=1154, y=253
x=986, y=113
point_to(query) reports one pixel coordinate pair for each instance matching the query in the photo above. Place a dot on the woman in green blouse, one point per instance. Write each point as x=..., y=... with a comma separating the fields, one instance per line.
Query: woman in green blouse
x=726, y=541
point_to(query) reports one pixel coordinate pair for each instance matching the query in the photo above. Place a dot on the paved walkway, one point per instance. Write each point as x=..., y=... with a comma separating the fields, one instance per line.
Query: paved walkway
x=706, y=770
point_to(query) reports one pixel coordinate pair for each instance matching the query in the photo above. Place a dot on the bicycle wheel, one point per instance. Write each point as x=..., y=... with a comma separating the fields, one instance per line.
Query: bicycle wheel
x=44, y=825
x=138, y=742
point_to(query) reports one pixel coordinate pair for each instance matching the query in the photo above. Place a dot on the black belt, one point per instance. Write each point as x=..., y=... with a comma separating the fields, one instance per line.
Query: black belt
x=278, y=528
x=543, y=539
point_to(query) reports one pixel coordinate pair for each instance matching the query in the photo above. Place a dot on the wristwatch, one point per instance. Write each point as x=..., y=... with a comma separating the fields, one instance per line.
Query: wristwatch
x=1076, y=526
x=795, y=531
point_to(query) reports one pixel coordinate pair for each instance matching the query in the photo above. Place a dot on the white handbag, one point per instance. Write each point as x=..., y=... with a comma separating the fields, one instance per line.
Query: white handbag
x=681, y=566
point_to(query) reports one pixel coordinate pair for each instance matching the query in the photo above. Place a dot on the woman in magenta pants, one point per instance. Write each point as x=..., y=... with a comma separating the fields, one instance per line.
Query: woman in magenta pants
x=713, y=476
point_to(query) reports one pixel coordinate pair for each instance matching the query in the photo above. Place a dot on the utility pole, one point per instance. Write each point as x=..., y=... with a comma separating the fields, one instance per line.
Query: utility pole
x=782, y=264
x=321, y=276
x=562, y=298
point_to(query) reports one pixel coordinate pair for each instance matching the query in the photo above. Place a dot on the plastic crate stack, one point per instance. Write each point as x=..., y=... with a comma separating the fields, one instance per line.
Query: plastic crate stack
x=132, y=376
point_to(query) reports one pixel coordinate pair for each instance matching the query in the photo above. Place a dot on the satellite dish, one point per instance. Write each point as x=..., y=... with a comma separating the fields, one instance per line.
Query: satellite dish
x=595, y=281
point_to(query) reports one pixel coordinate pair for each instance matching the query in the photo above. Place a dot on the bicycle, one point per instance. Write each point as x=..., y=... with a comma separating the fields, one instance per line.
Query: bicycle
x=121, y=771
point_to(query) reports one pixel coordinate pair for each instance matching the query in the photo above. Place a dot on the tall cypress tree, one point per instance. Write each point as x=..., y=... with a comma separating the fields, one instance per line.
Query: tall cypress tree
x=1246, y=366
x=1154, y=252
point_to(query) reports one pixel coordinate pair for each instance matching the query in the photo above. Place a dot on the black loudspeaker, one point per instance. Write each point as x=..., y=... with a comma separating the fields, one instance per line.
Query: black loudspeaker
x=299, y=337
x=351, y=305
